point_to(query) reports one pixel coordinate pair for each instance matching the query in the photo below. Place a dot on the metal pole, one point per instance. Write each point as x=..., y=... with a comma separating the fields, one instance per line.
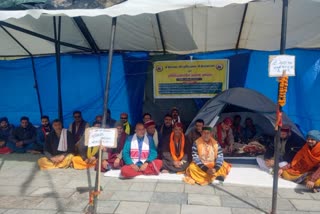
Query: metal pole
x=36, y=84
x=105, y=106
x=58, y=63
x=277, y=138
x=106, y=92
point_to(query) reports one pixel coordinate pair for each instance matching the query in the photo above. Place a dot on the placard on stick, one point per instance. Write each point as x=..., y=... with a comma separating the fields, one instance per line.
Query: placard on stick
x=281, y=63
x=94, y=135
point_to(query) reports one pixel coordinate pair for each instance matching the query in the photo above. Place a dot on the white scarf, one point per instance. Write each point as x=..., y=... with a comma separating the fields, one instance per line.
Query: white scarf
x=156, y=139
x=134, y=150
x=63, y=144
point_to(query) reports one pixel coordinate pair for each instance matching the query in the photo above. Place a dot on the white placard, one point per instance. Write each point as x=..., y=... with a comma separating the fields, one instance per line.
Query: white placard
x=94, y=135
x=280, y=63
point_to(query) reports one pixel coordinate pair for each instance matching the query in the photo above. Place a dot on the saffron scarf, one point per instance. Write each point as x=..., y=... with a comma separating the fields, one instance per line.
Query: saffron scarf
x=305, y=160
x=173, y=148
x=207, y=151
x=126, y=128
x=92, y=151
x=135, y=154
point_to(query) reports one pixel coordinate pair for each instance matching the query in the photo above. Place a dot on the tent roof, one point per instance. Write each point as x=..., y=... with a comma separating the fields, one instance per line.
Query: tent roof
x=179, y=26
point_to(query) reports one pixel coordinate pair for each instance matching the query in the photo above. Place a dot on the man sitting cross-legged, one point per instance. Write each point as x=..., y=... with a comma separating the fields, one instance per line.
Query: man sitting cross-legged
x=88, y=155
x=58, y=148
x=175, y=157
x=304, y=168
x=139, y=155
x=208, y=163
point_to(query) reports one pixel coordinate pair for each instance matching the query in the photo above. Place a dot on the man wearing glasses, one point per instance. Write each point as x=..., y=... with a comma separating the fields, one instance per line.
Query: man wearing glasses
x=78, y=127
x=126, y=125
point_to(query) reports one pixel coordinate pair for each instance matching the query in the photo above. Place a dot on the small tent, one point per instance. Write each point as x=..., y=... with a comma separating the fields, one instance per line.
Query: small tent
x=246, y=102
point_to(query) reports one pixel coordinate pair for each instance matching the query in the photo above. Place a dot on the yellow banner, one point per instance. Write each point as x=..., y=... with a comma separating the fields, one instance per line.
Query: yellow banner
x=190, y=79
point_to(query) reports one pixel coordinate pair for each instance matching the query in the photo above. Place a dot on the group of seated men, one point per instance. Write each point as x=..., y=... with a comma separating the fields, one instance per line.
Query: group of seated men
x=147, y=150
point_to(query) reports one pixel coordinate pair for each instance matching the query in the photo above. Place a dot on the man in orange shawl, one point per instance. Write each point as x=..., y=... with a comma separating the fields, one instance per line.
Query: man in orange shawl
x=208, y=163
x=174, y=153
x=304, y=168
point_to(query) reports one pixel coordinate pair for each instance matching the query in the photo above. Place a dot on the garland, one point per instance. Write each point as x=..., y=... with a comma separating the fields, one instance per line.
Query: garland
x=283, y=87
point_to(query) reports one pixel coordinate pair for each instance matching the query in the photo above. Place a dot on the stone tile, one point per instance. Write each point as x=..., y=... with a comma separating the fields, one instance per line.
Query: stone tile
x=231, y=191
x=58, y=204
x=294, y=194
x=126, y=207
x=192, y=209
x=169, y=187
x=56, y=193
x=169, y=198
x=199, y=189
x=16, y=190
x=17, y=211
x=9, y=202
x=240, y=202
x=107, y=206
x=315, y=196
x=294, y=212
x=306, y=205
x=282, y=204
x=131, y=196
x=258, y=192
x=118, y=185
x=248, y=211
x=156, y=208
x=2, y=211
x=201, y=199
x=147, y=187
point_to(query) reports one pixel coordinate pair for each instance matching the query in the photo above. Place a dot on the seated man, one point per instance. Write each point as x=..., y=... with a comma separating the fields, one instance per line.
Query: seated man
x=88, y=155
x=174, y=155
x=192, y=136
x=164, y=131
x=23, y=138
x=112, y=157
x=152, y=132
x=250, y=131
x=5, y=132
x=224, y=135
x=146, y=117
x=304, y=168
x=43, y=131
x=78, y=127
x=128, y=129
x=290, y=144
x=110, y=122
x=237, y=129
x=58, y=149
x=139, y=154
x=208, y=163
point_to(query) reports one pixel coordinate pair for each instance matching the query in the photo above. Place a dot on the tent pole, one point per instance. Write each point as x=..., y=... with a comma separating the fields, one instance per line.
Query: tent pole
x=278, y=129
x=105, y=103
x=57, y=35
x=38, y=35
x=241, y=26
x=161, y=34
x=33, y=67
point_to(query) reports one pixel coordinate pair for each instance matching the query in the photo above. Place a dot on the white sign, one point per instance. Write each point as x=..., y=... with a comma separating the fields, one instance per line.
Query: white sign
x=94, y=135
x=281, y=63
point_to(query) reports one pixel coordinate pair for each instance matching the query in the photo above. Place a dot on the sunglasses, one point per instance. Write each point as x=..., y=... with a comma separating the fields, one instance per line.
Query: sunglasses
x=124, y=118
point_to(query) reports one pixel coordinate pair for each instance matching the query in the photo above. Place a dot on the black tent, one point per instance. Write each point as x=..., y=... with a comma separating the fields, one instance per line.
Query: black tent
x=242, y=101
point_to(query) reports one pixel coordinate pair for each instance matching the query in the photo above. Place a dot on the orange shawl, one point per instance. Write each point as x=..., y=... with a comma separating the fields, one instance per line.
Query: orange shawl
x=305, y=160
x=173, y=148
x=204, y=151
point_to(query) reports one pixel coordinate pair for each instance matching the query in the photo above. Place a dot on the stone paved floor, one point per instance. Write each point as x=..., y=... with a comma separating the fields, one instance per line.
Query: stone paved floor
x=25, y=189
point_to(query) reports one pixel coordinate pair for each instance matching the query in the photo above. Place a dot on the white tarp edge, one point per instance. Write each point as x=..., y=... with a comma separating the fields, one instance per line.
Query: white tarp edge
x=130, y=7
